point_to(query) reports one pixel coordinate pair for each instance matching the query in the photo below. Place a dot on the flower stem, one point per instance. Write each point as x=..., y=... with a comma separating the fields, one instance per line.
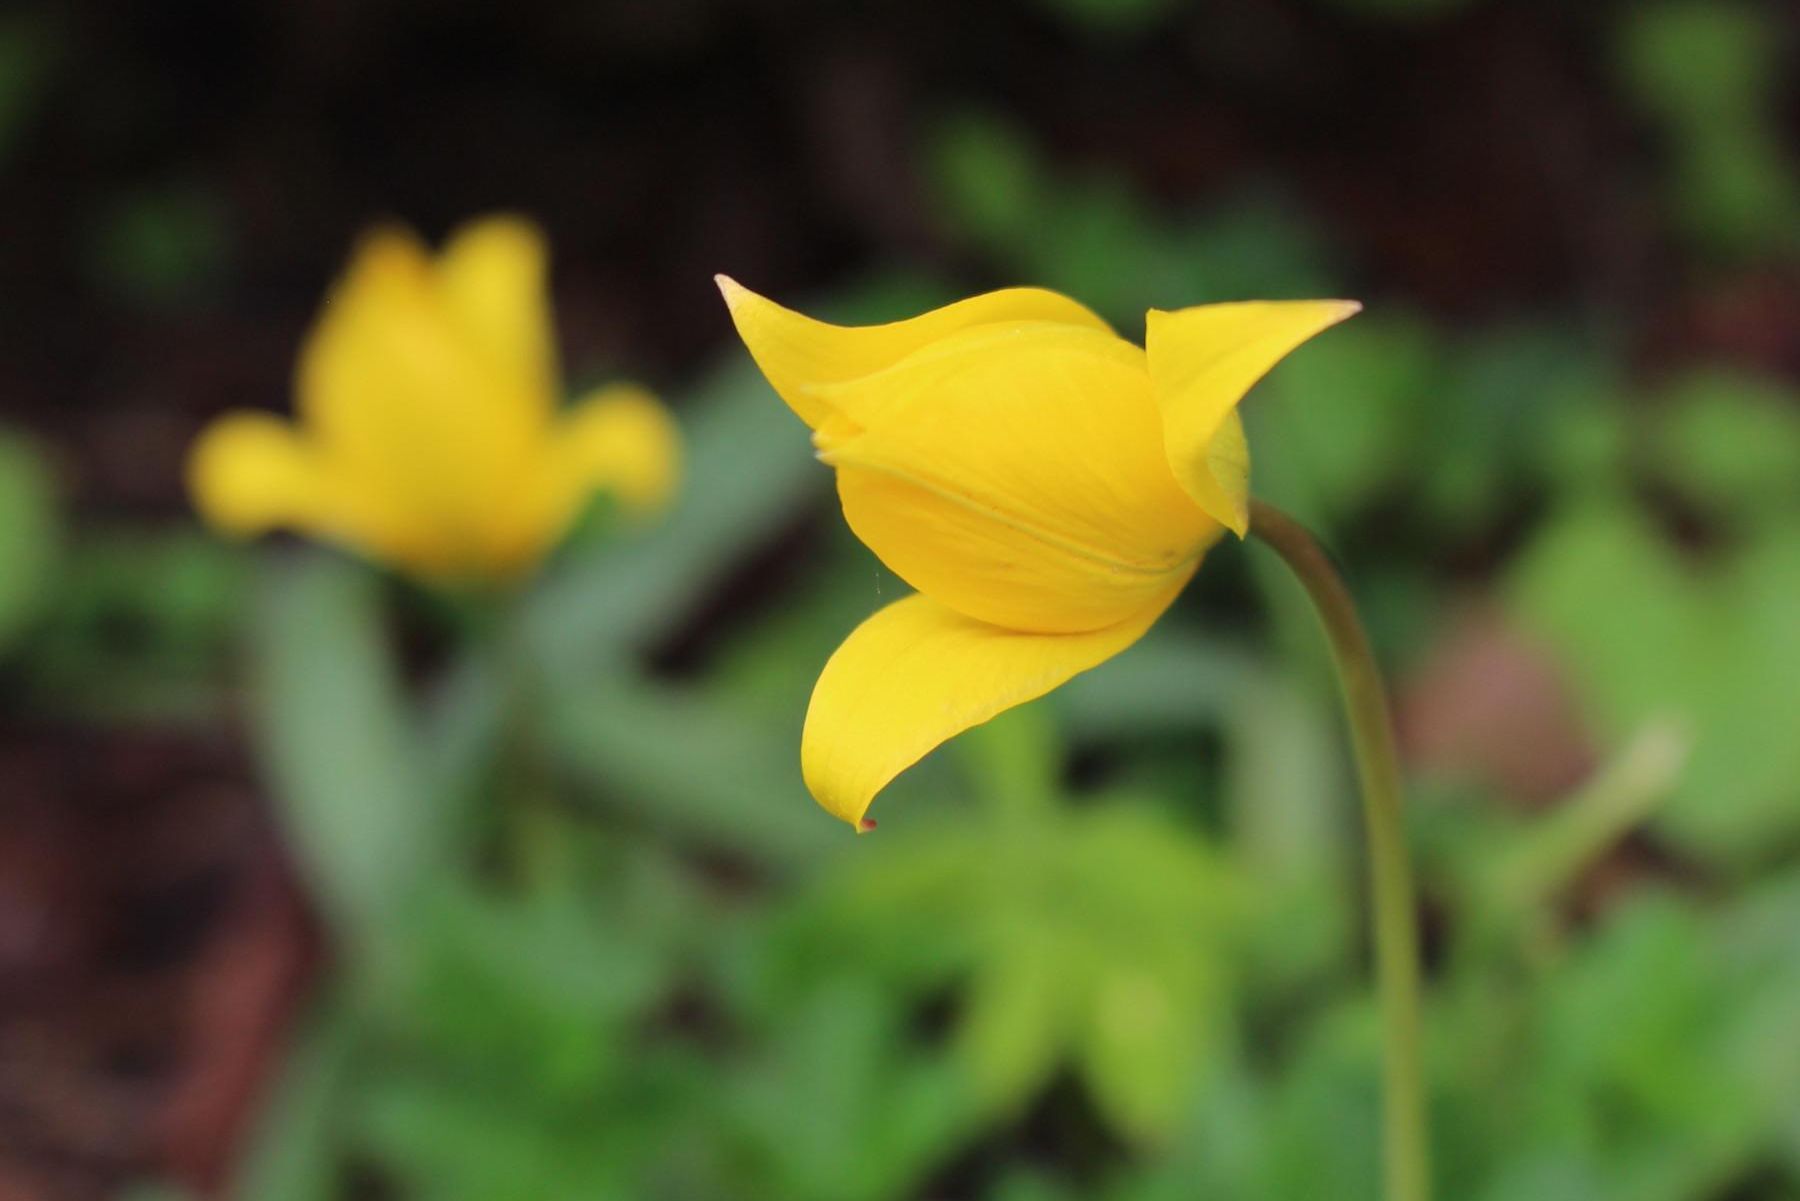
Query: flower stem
x=1405, y=1151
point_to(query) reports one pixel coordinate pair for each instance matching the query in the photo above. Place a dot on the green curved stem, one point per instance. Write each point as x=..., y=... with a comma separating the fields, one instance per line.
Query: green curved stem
x=1405, y=1150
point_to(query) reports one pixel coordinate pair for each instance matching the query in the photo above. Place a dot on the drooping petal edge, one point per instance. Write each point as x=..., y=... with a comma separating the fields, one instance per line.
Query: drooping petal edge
x=918, y=673
x=1202, y=362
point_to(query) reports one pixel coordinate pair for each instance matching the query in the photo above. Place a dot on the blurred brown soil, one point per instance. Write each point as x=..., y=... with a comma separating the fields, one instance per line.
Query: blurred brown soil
x=152, y=946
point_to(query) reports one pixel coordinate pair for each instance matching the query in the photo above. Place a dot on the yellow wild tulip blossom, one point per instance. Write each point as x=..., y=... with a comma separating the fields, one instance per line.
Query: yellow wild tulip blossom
x=429, y=433
x=1045, y=485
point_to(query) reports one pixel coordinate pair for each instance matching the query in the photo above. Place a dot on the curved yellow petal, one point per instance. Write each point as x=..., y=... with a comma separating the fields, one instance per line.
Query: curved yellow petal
x=340, y=376
x=1016, y=474
x=622, y=440
x=407, y=405
x=799, y=355
x=249, y=473
x=618, y=439
x=917, y=674
x=1203, y=360
x=491, y=277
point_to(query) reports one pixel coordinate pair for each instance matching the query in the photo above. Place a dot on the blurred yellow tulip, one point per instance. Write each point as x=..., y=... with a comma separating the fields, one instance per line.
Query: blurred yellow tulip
x=1048, y=488
x=429, y=435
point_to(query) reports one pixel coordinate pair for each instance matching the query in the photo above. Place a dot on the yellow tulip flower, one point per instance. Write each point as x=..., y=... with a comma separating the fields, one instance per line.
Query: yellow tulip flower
x=429, y=435
x=1045, y=485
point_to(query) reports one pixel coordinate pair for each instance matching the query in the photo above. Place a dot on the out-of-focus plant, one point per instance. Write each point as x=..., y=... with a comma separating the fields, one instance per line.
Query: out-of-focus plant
x=1089, y=233
x=430, y=821
x=1604, y=578
x=1711, y=74
x=429, y=433
x=137, y=625
x=1097, y=935
x=30, y=534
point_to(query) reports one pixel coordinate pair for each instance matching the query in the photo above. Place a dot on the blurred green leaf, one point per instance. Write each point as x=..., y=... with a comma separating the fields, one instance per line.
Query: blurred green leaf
x=1094, y=938
x=1015, y=762
x=1604, y=586
x=1018, y=1019
x=989, y=180
x=1291, y=809
x=1216, y=1152
x=1094, y=236
x=1171, y=681
x=771, y=666
x=1342, y=417
x=1028, y=1185
x=1254, y=244
x=1731, y=444
x=1145, y=1044
x=677, y=761
x=141, y=626
x=339, y=746
x=1710, y=72
x=1584, y=443
x=1526, y=871
x=537, y=987
x=1632, y=1036
x=1325, y=1114
x=1738, y=797
x=30, y=536
x=1647, y=637
x=841, y=1107
x=446, y=1139
x=1501, y=400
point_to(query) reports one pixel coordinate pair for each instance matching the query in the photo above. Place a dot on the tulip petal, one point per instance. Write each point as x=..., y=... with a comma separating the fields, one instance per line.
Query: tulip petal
x=915, y=675
x=491, y=277
x=798, y=355
x=404, y=399
x=1016, y=474
x=1203, y=360
x=618, y=439
x=250, y=472
x=622, y=440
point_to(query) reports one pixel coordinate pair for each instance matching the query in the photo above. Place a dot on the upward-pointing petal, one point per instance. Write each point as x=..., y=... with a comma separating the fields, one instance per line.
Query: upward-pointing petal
x=491, y=277
x=800, y=355
x=1202, y=362
x=918, y=673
